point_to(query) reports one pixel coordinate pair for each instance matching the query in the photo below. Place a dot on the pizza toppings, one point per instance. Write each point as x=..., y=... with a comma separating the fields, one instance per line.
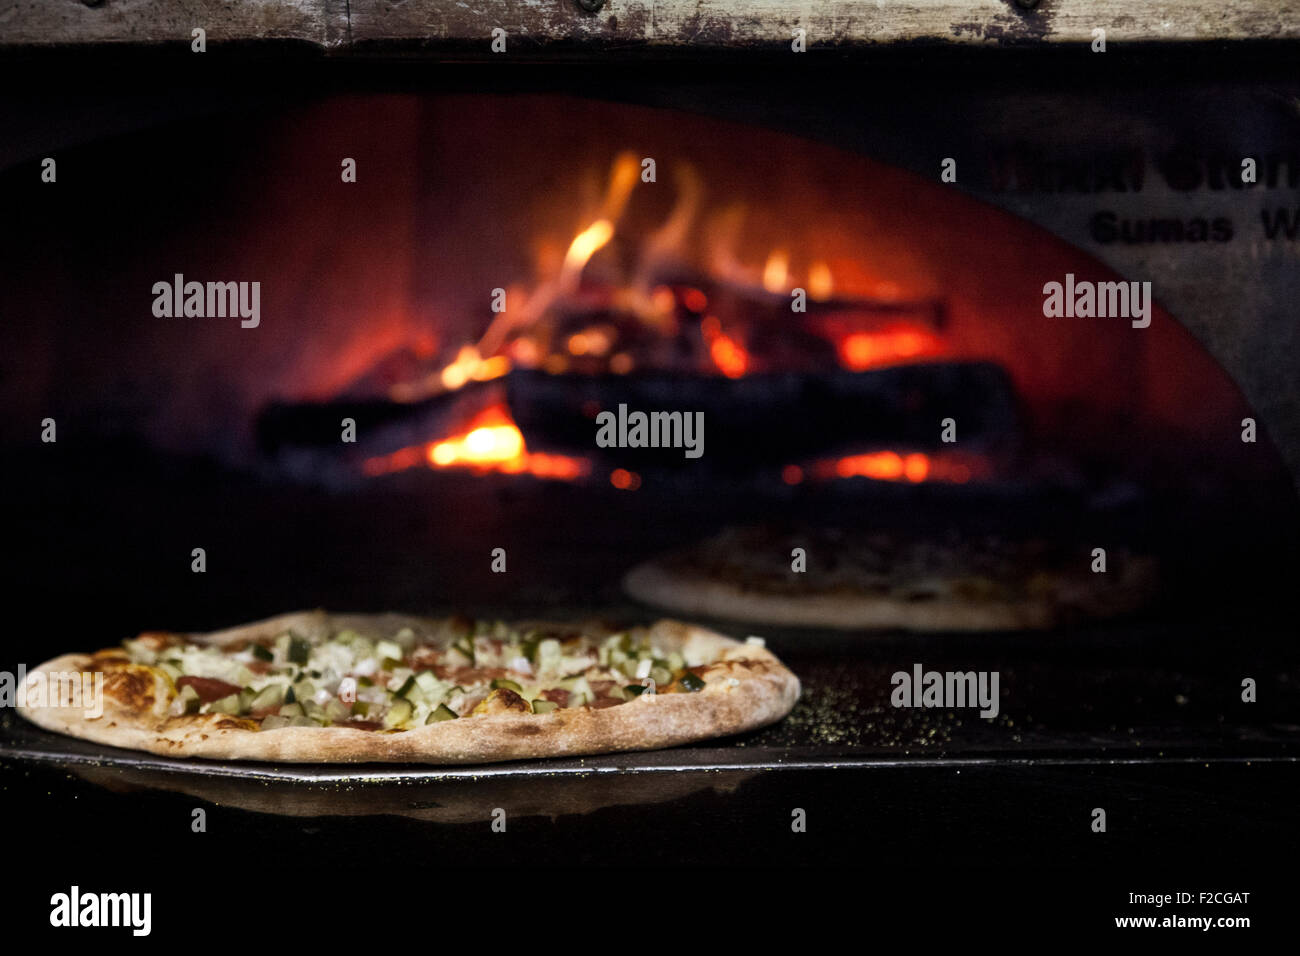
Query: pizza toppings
x=206, y=688
x=403, y=680
x=315, y=687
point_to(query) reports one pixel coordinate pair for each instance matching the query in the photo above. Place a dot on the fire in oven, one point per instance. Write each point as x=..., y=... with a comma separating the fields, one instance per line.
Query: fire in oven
x=467, y=464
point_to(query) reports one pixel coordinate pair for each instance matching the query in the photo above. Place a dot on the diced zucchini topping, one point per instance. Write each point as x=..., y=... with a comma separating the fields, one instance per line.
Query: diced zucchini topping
x=299, y=650
x=399, y=712
x=440, y=713
x=405, y=680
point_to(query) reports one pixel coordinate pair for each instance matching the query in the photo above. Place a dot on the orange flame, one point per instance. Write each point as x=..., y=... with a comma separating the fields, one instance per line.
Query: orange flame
x=776, y=274
x=466, y=367
x=469, y=365
x=586, y=244
x=821, y=284
x=622, y=178
x=492, y=442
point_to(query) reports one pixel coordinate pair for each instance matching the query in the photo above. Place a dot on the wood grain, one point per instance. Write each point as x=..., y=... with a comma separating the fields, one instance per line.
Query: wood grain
x=338, y=25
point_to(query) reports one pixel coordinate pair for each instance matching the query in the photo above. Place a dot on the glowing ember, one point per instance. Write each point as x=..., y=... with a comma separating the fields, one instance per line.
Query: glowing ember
x=593, y=341
x=695, y=300
x=625, y=480
x=860, y=351
x=728, y=355
x=913, y=467
x=492, y=442
x=526, y=351
x=884, y=466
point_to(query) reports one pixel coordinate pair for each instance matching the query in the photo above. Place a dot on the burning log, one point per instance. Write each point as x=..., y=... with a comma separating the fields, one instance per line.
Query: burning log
x=768, y=419
x=780, y=366
x=312, y=430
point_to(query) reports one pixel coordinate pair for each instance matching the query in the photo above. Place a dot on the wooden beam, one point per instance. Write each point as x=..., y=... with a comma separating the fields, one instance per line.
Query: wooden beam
x=340, y=25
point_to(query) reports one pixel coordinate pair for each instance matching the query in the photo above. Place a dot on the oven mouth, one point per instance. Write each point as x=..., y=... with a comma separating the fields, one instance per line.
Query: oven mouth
x=830, y=317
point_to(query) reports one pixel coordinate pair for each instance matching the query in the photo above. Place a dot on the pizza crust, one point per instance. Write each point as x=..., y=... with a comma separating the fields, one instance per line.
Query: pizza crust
x=748, y=688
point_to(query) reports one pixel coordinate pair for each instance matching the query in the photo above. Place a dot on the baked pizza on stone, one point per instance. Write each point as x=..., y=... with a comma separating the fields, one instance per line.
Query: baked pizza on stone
x=320, y=687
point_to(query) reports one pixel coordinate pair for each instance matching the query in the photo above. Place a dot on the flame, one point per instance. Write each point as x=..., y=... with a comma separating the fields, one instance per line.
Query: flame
x=585, y=245
x=623, y=176
x=466, y=367
x=695, y=300
x=469, y=365
x=537, y=332
x=728, y=354
x=565, y=280
x=821, y=284
x=524, y=337
x=776, y=274
x=662, y=251
x=491, y=442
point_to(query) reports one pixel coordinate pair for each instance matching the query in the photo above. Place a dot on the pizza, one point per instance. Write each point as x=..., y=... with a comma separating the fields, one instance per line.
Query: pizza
x=879, y=579
x=319, y=687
